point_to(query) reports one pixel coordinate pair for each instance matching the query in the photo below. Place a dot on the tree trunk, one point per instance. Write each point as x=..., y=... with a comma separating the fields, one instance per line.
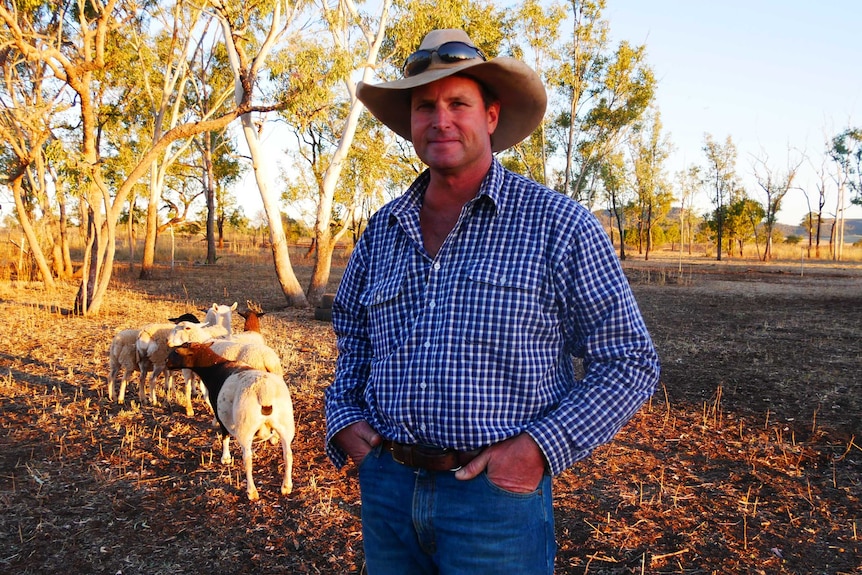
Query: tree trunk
x=86, y=290
x=30, y=233
x=148, y=259
x=278, y=241
x=209, y=184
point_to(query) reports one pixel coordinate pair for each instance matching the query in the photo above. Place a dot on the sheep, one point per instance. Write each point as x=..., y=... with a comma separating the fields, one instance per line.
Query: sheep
x=185, y=317
x=247, y=401
x=220, y=315
x=152, y=349
x=188, y=375
x=152, y=352
x=252, y=316
x=256, y=355
x=251, y=331
x=123, y=355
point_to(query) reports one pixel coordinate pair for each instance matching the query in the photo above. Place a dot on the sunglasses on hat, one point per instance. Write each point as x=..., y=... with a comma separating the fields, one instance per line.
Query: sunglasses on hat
x=448, y=52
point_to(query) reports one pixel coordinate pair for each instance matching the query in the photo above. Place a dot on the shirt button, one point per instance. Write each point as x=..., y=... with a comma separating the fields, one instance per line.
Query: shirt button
x=432, y=304
x=422, y=427
x=436, y=266
x=423, y=385
x=427, y=344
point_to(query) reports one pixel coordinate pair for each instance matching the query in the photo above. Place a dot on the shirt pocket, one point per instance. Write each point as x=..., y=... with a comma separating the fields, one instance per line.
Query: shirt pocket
x=504, y=302
x=385, y=304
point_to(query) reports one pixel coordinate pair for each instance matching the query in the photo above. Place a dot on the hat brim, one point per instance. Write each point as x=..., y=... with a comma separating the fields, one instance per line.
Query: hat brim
x=520, y=90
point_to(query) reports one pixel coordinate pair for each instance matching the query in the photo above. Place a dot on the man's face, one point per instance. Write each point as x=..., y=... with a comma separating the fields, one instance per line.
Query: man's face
x=450, y=125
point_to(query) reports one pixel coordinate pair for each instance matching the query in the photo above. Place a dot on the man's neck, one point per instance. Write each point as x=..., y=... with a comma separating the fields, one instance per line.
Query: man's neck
x=451, y=189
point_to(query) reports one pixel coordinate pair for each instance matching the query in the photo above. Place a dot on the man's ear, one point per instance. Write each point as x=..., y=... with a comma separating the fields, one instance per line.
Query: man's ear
x=493, y=116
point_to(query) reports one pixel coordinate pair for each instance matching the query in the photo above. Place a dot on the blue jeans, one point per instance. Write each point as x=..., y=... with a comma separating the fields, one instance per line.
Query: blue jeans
x=417, y=522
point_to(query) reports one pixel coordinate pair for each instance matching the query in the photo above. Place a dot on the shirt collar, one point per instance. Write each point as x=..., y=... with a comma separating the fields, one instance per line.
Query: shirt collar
x=491, y=188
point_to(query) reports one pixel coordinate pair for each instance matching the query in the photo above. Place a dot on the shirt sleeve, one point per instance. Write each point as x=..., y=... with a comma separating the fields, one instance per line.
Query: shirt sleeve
x=603, y=325
x=345, y=397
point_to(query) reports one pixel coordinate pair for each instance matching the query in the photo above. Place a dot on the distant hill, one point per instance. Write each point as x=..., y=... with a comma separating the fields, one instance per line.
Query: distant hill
x=852, y=230
x=852, y=227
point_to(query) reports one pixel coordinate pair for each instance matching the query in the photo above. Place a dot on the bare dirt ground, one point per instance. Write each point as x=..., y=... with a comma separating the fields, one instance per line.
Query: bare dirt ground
x=747, y=460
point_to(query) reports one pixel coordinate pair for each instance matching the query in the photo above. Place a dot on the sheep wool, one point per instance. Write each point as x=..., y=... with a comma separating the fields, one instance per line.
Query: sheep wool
x=247, y=400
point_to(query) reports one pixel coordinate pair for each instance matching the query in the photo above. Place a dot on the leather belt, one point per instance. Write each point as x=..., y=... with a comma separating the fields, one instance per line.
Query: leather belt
x=428, y=457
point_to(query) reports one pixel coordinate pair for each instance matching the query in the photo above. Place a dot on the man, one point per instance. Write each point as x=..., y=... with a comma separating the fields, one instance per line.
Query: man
x=457, y=318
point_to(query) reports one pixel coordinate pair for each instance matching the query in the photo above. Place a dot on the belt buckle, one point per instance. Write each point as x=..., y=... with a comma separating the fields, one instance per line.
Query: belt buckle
x=431, y=451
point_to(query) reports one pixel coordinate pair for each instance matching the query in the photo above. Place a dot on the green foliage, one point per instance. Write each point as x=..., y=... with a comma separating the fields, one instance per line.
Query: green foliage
x=846, y=151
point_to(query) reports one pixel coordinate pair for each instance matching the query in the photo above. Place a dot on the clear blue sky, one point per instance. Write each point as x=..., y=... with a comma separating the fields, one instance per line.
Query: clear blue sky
x=769, y=74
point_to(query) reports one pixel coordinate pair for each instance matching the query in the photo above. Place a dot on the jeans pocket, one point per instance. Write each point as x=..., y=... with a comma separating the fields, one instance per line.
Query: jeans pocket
x=372, y=455
x=514, y=494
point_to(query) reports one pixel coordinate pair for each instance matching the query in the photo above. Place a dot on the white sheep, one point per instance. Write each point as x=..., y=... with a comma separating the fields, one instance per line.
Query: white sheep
x=152, y=351
x=247, y=401
x=220, y=315
x=188, y=331
x=255, y=355
x=122, y=354
x=152, y=348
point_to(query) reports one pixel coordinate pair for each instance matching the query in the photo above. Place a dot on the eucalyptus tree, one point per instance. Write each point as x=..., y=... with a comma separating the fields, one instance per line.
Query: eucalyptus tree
x=318, y=79
x=607, y=90
x=614, y=176
x=73, y=46
x=220, y=164
x=649, y=151
x=743, y=221
x=580, y=69
x=251, y=31
x=845, y=150
x=221, y=168
x=720, y=181
x=775, y=184
x=324, y=113
x=537, y=25
x=161, y=67
x=813, y=220
x=688, y=183
x=26, y=109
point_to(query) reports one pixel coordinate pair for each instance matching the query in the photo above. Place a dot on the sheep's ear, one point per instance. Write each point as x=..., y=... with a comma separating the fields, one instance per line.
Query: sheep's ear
x=209, y=343
x=233, y=307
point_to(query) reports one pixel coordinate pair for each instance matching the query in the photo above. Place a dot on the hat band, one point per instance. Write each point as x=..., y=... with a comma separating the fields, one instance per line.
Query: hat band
x=448, y=52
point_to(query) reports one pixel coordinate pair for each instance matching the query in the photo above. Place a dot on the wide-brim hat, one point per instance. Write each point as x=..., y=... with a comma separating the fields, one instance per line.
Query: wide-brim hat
x=520, y=90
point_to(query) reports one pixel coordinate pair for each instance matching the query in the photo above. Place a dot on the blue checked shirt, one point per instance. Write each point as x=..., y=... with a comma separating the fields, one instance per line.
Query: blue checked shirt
x=475, y=345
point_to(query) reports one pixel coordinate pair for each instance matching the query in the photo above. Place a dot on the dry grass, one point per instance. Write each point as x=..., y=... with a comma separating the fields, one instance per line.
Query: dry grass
x=740, y=464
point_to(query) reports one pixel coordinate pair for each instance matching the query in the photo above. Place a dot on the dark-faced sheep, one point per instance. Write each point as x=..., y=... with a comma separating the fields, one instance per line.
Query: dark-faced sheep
x=246, y=401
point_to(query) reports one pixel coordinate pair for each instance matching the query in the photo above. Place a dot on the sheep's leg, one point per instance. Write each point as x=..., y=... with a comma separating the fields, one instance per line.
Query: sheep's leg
x=188, y=377
x=112, y=378
x=169, y=385
x=142, y=384
x=225, y=449
x=123, y=383
x=206, y=395
x=247, y=460
x=156, y=372
x=287, y=453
